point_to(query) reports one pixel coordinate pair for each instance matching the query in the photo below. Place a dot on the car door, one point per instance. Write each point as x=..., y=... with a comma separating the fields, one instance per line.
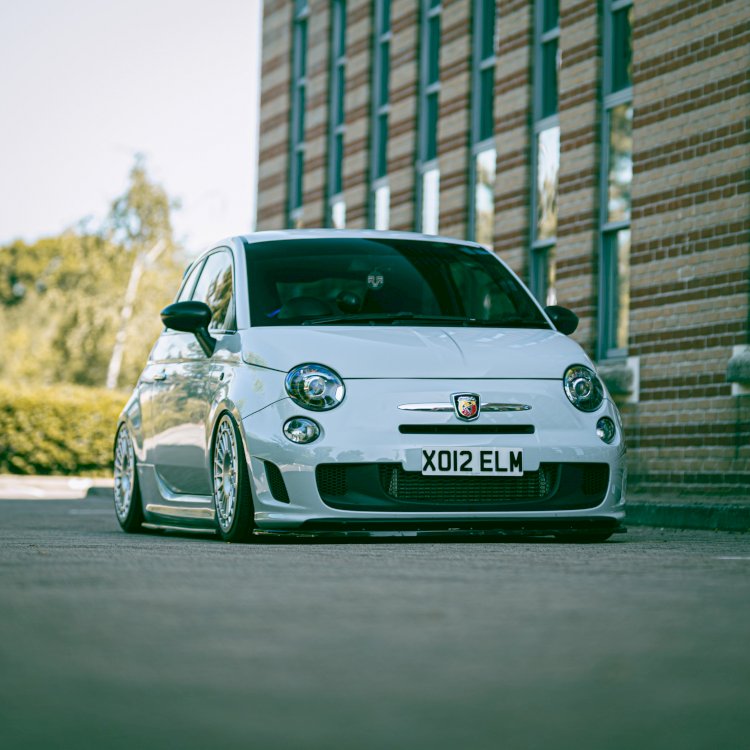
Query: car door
x=158, y=377
x=190, y=379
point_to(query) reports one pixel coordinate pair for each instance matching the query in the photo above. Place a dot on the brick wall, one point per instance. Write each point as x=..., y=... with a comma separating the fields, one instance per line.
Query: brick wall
x=577, y=224
x=275, y=100
x=689, y=262
x=690, y=267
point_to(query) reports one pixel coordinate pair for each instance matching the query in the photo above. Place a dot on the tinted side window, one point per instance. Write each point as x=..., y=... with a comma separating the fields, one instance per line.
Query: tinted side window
x=189, y=283
x=216, y=288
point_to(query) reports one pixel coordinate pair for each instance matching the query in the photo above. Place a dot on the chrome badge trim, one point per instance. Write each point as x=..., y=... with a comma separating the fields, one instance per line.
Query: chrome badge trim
x=488, y=407
x=505, y=407
x=426, y=407
x=467, y=406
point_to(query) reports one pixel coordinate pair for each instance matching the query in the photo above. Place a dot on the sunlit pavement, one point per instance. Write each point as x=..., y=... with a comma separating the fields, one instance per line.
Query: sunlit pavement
x=50, y=488
x=117, y=641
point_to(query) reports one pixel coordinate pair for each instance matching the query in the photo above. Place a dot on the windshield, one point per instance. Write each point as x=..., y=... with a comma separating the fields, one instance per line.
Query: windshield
x=350, y=281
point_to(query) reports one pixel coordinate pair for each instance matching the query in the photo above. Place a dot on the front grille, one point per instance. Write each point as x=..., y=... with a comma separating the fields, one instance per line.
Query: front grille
x=414, y=487
x=595, y=479
x=386, y=487
x=331, y=479
x=276, y=482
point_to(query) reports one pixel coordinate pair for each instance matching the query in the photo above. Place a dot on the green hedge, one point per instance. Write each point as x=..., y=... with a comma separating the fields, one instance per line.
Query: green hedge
x=58, y=429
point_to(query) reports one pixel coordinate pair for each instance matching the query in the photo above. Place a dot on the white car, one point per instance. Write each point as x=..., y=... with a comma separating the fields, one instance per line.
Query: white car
x=317, y=381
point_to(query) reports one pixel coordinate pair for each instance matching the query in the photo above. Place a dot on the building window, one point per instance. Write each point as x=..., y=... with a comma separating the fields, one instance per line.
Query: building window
x=483, y=153
x=616, y=180
x=299, y=87
x=428, y=172
x=380, y=194
x=545, y=150
x=336, y=205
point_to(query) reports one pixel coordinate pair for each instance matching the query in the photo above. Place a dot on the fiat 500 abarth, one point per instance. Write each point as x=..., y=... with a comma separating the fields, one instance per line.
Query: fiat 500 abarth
x=319, y=381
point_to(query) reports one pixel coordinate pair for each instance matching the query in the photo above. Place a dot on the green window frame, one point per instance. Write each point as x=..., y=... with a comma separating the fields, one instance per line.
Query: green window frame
x=427, y=212
x=379, y=187
x=545, y=151
x=336, y=208
x=615, y=181
x=483, y=154
x=297, y=111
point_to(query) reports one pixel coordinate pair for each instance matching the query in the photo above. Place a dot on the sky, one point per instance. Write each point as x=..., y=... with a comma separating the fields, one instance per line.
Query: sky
x=86, y=84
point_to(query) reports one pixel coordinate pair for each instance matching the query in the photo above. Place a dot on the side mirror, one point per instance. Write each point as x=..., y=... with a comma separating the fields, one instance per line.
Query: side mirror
x=566, y=321
x=192, y=317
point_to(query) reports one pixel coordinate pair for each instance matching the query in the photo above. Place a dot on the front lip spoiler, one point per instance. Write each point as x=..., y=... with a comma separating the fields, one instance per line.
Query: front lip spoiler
x=448, y=527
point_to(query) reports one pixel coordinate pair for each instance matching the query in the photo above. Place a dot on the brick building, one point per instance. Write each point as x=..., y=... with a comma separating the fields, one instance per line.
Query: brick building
x=600, y=147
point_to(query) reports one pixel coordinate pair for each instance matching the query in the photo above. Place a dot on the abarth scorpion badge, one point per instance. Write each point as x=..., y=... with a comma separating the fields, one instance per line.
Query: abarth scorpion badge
x=466, y=406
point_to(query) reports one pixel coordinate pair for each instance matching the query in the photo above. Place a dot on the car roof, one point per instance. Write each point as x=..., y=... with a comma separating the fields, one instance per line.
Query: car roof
x=361, y=234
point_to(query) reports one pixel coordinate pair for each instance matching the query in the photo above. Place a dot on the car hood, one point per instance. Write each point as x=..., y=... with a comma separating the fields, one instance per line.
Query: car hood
x=416, y=352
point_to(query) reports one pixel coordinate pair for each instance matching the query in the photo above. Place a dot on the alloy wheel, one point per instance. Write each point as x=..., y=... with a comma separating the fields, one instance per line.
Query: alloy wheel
x=124, y=473
x=225, y=462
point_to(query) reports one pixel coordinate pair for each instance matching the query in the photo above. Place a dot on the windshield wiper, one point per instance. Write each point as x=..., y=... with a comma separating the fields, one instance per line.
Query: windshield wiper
x=511, y=321
x=393, y=317
x=515, y=321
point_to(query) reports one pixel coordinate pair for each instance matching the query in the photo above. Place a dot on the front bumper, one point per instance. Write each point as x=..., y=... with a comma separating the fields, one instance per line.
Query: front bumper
x=363, y=436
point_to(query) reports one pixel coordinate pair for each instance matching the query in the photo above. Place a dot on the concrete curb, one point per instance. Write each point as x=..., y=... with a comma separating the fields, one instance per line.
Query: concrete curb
x=715, y=516
x=23, y=487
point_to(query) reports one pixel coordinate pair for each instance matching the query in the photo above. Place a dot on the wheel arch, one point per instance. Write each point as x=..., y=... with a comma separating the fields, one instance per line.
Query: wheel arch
x=132, y=417
x=226, y=406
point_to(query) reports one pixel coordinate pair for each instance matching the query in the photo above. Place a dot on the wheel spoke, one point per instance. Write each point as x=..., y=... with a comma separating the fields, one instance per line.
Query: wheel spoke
x=225, y=473
x=124, y=473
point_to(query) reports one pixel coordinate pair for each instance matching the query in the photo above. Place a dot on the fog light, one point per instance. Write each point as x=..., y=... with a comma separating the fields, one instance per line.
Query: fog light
x=605, y=429
x=301, y=430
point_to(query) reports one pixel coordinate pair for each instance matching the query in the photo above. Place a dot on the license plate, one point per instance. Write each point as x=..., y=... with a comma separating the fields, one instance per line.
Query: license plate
x=481, y=462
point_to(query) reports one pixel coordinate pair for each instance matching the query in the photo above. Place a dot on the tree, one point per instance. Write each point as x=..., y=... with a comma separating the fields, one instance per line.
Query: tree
x=61, y=297
x=141, y=216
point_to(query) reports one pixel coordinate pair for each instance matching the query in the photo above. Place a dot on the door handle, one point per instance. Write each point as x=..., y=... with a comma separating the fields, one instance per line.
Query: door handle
x=160, y=376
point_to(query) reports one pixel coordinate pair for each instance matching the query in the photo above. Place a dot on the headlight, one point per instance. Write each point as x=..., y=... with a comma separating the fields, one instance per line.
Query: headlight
x=315, y=387
x=583, y=388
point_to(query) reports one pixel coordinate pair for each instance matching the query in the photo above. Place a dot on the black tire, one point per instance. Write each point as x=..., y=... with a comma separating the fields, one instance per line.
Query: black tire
x=127, y=491
x=235, y=517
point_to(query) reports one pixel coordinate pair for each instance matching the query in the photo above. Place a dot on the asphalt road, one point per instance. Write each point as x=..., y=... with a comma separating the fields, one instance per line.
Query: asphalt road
x=116, y=641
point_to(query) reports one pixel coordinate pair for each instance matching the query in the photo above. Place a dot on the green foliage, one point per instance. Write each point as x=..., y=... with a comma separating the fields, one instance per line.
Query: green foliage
x=58, y=430
x=60, y=297
x=60, y=310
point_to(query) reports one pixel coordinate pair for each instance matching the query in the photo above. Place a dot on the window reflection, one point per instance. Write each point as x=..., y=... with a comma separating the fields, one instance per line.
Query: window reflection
x=550, y=292
x=430, y=201
x=620, y=162
x=484, y=207
x=431, y=125
x=219, y=299
x=622, y=53
x=382, y=207
x=214, y=287
x=548, y=167
x=551, y=60
x=622, y=290
x=338, y=214
x=550, y=14
x=544, y=275
x=486, y=102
